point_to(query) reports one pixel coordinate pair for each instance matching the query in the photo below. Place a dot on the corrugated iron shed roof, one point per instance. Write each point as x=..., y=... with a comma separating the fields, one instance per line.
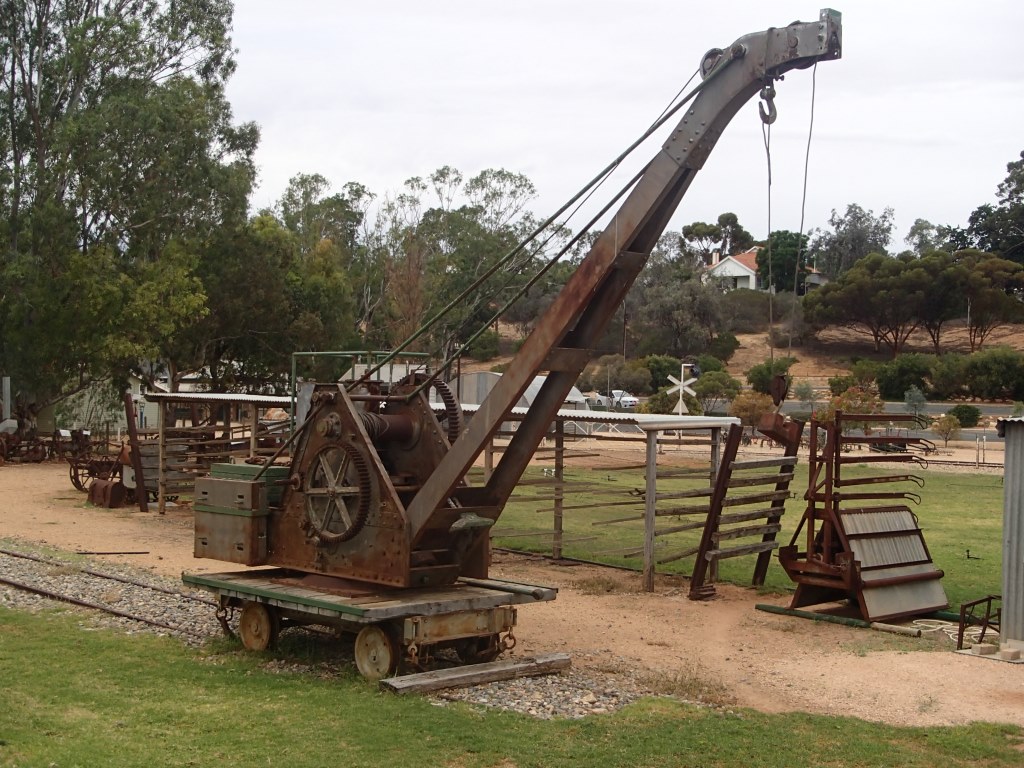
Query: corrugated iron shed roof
x=1002, y=422
x=216, y=397
x=649, y=422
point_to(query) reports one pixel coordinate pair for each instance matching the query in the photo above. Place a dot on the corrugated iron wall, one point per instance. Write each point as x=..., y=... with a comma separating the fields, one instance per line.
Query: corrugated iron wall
x=1012, y=627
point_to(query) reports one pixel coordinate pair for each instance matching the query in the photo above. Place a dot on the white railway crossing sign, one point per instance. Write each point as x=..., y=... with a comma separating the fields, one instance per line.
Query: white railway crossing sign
x=682, y=384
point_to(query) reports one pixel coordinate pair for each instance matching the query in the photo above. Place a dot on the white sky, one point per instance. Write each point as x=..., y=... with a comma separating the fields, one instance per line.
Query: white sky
x=922, y=113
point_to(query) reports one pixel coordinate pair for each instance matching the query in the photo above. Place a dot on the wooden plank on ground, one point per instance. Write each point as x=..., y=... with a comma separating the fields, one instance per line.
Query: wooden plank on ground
x=475, y=674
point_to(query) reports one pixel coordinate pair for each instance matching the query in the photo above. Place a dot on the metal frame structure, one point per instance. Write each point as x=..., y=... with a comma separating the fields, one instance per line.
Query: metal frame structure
x=862, y=542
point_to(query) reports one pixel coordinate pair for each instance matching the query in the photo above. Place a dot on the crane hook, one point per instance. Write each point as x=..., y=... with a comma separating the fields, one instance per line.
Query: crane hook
x=768, y=95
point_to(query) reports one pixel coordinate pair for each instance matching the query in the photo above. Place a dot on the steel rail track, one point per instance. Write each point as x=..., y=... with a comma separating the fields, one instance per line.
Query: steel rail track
x=97, y=607
x=71, y=599
x=111, y=576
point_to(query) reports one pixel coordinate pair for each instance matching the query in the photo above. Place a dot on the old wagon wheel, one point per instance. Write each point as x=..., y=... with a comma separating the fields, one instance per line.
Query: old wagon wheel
x=338, y=491
x=79, y=474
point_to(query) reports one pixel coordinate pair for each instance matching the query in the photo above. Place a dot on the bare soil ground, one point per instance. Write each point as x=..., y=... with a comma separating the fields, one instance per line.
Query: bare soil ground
x=724, y=650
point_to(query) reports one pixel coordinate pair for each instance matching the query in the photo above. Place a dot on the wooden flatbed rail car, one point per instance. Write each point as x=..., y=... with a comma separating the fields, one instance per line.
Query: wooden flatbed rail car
x=394, y=628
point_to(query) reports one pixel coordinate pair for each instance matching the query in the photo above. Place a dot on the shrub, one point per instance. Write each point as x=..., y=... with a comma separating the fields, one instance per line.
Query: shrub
x=804, y=392
x=723, y=346
x=947, y=427
x=661, y=367
x=946, y=379
x=750, y=406
x=856, y=399
x=662, y=402
x=760, y=376
x=714, y=388
x=914, y=401
x=966, y=415
x=897, y=376
x=708, y=363
x=995, y=374
x=864, y=371
x=779, y=338
x=839, y=384
x=613, y=372
x=485, y=347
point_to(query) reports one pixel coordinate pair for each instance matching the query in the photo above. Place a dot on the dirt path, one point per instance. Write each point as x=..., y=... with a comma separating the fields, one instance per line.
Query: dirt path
x=723, y=649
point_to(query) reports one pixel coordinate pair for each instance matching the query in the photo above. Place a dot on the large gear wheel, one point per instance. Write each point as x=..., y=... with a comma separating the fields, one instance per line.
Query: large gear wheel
x=338, y=490
x=452, y=410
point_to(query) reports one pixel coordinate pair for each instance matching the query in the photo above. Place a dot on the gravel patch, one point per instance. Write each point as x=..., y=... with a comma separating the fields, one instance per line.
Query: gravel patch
x=572, y=694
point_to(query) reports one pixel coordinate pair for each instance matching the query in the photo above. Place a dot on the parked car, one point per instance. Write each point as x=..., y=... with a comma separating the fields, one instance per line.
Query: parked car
x=623, y=399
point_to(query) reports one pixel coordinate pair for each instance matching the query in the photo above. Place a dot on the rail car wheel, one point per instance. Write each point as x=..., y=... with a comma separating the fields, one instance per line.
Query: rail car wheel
x=338, y=492
x=258, y=626
x=377, y=652
x=478, y=650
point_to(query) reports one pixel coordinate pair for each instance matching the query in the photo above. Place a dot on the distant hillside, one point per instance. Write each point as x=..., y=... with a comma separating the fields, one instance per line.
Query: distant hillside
x=831, y=353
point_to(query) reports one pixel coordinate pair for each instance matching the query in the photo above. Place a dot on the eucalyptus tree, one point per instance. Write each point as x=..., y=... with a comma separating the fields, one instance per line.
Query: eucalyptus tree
x=854, y=235
x=999, y=229
x=993, y=292
x=118, y=158
x=879, y=296
x=783, y=265
x=445, y=236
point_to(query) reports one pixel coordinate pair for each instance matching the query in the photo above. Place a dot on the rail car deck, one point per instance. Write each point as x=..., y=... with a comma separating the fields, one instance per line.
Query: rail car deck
x=362, y=604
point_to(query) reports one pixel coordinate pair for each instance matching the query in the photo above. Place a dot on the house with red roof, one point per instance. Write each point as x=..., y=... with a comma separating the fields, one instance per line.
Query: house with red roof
x=738, y=270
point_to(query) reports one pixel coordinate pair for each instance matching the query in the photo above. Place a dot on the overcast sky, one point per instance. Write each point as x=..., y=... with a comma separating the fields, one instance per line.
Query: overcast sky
x=921, y=114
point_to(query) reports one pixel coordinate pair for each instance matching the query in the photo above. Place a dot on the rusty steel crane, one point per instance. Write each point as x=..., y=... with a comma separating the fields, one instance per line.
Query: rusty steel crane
x=376, y=493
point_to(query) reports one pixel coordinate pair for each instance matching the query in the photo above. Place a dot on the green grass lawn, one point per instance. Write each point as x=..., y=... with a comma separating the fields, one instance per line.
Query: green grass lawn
x=958, y=512
x=74, y=697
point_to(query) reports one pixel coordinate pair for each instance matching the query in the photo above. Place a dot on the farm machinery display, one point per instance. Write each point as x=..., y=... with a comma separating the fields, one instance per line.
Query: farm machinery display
x=373, y=527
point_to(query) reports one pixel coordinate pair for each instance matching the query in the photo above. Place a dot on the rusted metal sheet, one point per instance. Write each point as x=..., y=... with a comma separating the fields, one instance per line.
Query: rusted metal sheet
x=106, y=493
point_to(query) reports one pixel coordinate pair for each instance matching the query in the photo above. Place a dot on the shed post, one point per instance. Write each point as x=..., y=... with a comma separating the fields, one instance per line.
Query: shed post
x=650, y=513
x=556, y=542
x=1011, y=629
